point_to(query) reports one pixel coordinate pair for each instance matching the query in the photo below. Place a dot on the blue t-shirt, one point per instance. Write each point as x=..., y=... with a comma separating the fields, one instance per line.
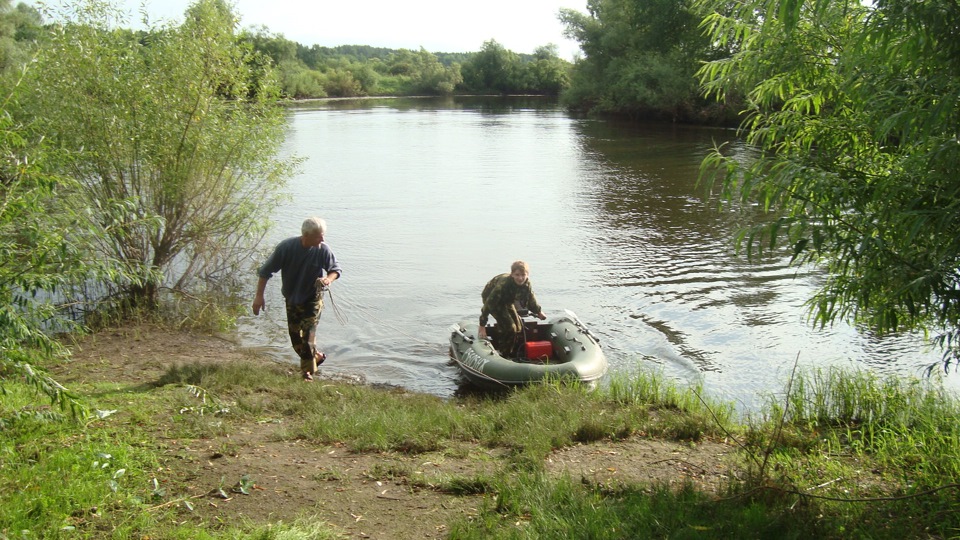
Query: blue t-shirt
x=299, y=268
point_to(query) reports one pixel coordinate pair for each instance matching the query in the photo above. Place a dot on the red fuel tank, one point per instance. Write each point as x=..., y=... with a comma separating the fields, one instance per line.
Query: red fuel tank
x=539, y=349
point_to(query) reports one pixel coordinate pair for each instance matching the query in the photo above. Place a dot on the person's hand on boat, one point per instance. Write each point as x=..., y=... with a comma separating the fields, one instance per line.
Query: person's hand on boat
x=482, y=332
x=541, y=316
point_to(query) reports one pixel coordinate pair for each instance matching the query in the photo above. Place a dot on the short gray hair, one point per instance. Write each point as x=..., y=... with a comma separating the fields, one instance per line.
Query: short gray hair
x=313, y=225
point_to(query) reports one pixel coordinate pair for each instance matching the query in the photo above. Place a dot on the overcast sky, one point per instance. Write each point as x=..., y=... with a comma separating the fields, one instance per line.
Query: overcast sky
x=436, y=25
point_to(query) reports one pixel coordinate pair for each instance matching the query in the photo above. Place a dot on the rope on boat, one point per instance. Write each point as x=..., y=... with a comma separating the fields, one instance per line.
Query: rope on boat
x=341, y=318
x=489, y=378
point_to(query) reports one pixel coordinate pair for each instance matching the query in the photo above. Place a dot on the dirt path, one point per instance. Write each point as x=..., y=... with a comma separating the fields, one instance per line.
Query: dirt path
x=362, y=495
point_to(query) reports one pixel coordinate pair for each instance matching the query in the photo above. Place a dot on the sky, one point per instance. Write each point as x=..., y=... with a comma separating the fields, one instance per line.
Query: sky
x=436, y=25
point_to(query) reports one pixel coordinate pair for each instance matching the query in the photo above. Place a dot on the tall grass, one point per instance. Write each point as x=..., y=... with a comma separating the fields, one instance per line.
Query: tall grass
x=535, y=506
x=378, y=421
x=908, y=425
x=530, y=422
x=839, y=423
x=694, y=414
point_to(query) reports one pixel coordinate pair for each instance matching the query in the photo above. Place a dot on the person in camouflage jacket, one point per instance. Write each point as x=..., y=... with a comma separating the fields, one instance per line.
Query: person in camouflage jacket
x=501, y=296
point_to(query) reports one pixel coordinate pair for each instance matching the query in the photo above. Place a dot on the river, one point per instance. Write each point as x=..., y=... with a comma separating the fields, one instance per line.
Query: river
x=426, y=199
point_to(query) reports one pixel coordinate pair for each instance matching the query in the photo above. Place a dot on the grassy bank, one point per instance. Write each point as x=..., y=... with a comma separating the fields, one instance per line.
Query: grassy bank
x=854, y=456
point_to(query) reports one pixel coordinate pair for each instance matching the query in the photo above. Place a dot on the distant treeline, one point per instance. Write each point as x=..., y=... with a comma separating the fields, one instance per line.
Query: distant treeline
x=362, y=70
x=315, y=55
x=639, y=60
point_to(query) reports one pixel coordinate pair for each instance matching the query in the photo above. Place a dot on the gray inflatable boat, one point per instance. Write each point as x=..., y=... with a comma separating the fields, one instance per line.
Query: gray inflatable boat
x=560, y=348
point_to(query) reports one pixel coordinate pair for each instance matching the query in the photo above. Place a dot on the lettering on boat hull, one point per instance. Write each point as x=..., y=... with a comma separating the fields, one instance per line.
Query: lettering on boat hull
x=473, y=360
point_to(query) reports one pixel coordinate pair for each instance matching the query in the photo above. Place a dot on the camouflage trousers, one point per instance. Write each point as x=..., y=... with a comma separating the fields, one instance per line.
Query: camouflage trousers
x=506, y=336
x=302, y=325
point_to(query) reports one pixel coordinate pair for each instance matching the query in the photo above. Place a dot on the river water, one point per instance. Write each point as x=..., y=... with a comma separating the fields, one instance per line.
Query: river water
x=426, y=199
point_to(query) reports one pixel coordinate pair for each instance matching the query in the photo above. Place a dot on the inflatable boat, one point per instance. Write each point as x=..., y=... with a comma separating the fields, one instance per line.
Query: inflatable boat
x=560, y=348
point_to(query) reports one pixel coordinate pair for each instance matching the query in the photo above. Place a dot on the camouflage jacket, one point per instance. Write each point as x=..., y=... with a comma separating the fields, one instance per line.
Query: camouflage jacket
x=502, y=292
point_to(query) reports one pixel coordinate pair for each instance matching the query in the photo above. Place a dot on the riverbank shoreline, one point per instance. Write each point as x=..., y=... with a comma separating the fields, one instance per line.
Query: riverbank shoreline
x=188, y=435
x=354, y=492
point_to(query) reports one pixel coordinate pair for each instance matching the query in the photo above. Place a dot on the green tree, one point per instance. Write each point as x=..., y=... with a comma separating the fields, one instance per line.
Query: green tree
x=275, y=46
x=41, y=254
x=549, y=73
x=493, y=69
x=20, y=27
x=172, y=139
x=424, y=74
x=340, y=82
x=855, y=111
x=640, y=60
x=299, y=82
x=365, y=75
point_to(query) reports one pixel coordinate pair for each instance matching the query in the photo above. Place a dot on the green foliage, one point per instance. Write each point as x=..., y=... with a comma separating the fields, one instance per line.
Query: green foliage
x=640, y=60
x=299, y=82
x=900, y=432
x=172, y=138
x=40, y=255
x=341, y=83
x=549, y=73
x=493, y=69
x=530, y=422
x=855, y=111
x=317, y=56
x=278, y=48
x=361, y=70
x=896, y=431
x=422, y=73
x=20, y=27
x=301, y=529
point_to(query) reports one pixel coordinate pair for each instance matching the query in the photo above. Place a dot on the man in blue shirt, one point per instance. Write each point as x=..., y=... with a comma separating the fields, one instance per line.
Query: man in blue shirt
x=306, y=266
